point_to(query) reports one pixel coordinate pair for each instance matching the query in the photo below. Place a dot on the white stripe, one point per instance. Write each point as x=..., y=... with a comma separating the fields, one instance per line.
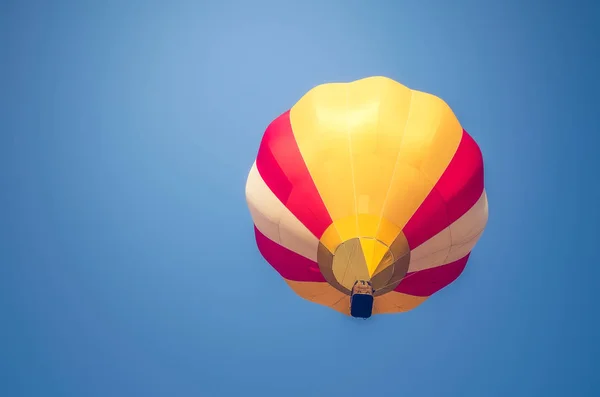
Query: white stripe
x=273, y=219
x=454, y=242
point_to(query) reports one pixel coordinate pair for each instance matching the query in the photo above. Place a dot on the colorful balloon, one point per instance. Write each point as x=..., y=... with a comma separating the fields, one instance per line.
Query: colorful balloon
x=367, y=196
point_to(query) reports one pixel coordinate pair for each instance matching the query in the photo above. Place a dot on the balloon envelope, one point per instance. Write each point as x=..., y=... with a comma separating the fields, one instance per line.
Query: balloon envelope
x=367, y=180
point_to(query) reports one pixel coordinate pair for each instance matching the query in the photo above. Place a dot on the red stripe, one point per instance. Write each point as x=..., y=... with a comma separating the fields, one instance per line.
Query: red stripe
x=282, y=167
x=457, y=190
x=288, y=264
x=429, y=281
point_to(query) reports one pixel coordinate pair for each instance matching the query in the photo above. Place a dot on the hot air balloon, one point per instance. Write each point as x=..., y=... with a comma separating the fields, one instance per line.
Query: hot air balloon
x=367, y=197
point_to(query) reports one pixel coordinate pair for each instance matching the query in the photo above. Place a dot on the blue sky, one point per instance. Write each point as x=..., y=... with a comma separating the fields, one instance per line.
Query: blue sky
x=127, y=260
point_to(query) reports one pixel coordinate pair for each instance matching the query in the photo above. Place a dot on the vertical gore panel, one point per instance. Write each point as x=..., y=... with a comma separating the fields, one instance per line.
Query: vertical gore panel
x=458, y=189
x=282, y=167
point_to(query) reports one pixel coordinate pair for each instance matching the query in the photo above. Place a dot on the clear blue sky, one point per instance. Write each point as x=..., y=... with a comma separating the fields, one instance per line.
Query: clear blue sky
x=127, y=260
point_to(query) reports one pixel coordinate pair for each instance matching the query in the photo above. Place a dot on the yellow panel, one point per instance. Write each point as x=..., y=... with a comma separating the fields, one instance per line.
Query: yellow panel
x=382, y=259
x=330, y=238
x=367, y=246
x=432, y=135
x=374, y=251
x=395, y=302
x=374, y=147
x=345, y=229
x=321, y=293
